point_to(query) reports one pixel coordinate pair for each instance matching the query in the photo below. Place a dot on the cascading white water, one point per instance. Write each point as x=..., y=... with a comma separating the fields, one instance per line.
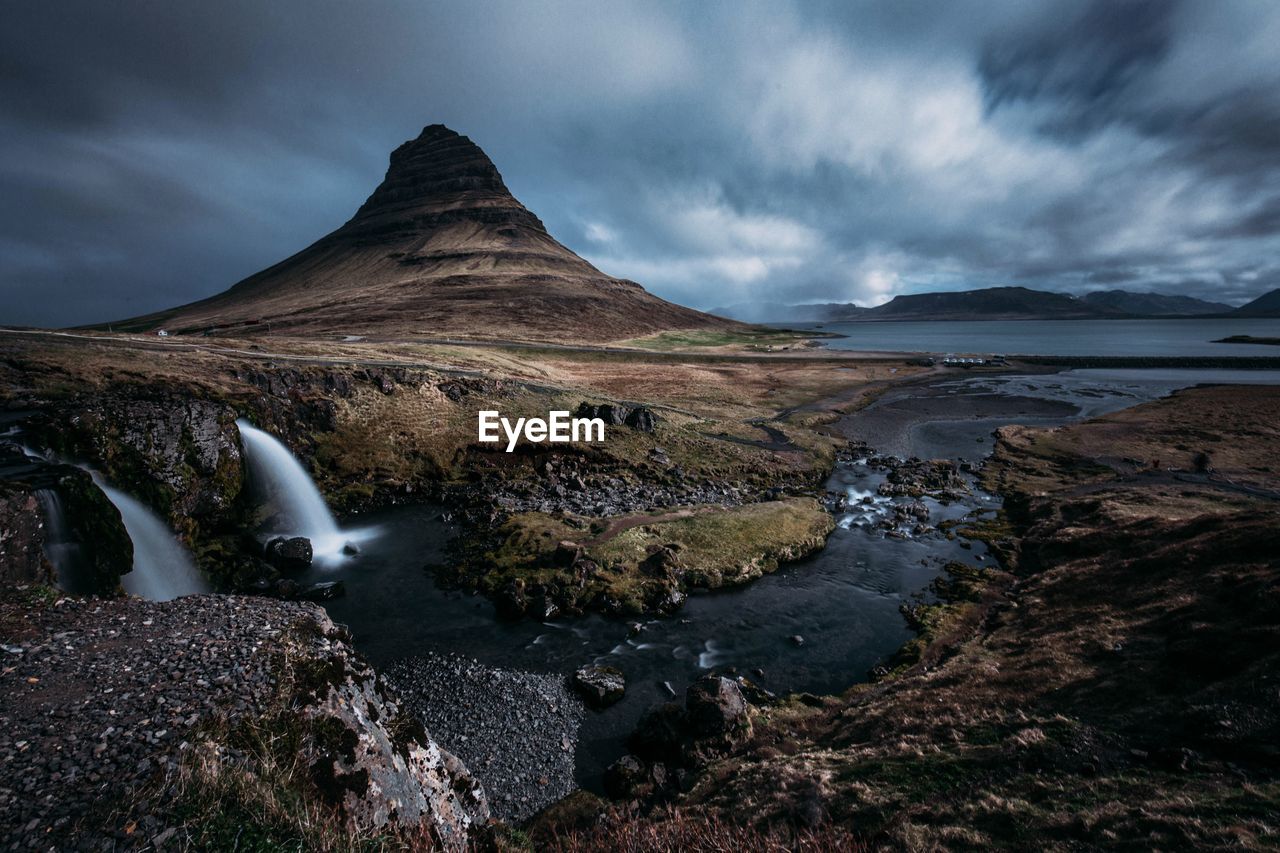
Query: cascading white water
x=289, y=487
x=162, y=568
x=60, y=548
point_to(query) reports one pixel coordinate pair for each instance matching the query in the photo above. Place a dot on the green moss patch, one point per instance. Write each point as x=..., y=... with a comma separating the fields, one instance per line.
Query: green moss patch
x=633, y=563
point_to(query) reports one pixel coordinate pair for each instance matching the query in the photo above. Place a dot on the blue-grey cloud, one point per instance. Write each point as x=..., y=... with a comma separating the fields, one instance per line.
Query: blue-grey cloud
x=155, y=153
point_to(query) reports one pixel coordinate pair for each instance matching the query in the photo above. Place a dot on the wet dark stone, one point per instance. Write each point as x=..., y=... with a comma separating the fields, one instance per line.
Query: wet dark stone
x=600, y=686
x=623, y=777
x=642, y=419
x=289, y=553
x=323, y=591
x=715, y=706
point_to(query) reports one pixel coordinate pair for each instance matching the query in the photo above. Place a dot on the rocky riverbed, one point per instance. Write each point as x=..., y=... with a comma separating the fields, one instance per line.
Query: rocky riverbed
x=517, y=731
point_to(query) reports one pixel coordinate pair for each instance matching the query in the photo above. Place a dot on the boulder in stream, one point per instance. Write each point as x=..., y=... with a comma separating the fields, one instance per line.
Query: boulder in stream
x=289, y=552
x=600, y=686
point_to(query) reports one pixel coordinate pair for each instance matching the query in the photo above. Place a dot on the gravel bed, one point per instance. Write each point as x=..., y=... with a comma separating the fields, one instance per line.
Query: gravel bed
x=97, y=697
x=517, y=732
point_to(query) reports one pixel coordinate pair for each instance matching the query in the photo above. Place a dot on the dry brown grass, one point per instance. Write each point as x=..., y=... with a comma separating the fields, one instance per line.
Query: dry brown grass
x=676, y=831
x=1237, y=428
x=742, y=387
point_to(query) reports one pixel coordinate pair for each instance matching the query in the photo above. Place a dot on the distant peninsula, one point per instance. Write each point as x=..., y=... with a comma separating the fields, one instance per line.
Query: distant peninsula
x=1248, y=339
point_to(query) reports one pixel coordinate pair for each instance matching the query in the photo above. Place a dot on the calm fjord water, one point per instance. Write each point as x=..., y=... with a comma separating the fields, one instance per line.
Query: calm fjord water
x=1054, y=337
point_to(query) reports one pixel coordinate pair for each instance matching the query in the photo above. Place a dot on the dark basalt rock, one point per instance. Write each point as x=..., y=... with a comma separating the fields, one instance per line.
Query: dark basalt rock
x=289, y=554
x=176, y=454
x=567, y=553
x=323, y=591
x=614, y=414
x=544, y=608
x=95, y=548
x=288, y=589
x=600, y=686
x=661, y=734
x=623, y=777
x=715, y=715
x=715, y=707
x=511, y=601
x=459, y=389
x=663, y=562
x=666, y=597
x=642, y=419
x=22, y=536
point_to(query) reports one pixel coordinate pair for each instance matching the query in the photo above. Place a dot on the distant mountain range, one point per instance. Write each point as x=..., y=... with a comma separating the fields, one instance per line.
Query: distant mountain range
x=1006, y=303
x=1153, y=304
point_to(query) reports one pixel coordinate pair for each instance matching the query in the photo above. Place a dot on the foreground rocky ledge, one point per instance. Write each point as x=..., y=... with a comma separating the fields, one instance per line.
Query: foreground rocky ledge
x=127, y=724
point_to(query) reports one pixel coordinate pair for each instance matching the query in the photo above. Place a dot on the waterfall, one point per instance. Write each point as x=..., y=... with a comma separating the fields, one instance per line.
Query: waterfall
x=60, y=548
x=162, y=568
x=287, y=485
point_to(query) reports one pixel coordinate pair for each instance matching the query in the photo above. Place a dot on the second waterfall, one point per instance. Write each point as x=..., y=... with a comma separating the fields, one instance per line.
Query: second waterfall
x=286, y=485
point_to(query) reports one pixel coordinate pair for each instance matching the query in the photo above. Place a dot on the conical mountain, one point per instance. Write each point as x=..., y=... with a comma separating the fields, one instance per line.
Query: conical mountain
x=440, y=249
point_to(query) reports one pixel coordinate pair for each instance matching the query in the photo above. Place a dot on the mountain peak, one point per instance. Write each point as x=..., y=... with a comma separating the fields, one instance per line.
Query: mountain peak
x=438, y=178
x=437, y=130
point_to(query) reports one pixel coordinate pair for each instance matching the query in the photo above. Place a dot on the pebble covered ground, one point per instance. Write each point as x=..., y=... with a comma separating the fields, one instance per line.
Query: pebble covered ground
x=97, y=697
x=517, y=732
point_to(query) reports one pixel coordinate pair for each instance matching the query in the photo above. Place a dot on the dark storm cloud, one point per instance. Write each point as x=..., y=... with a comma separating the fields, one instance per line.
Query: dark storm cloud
x=154, y=153
x=1086, y=63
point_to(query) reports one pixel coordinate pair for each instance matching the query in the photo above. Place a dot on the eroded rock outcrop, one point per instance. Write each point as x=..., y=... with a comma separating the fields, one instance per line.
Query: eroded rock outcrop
x=616, y=414
x=51, y=509
x=370, y=756
x=22, y=536
x=178, y=454
x=674, y=739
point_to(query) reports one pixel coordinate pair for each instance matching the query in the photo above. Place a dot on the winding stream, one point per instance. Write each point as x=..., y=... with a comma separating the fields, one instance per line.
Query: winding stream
x=843, y=603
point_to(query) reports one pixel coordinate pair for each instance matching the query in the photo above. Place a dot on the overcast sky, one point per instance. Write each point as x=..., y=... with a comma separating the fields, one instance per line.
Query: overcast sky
x=153, y=153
